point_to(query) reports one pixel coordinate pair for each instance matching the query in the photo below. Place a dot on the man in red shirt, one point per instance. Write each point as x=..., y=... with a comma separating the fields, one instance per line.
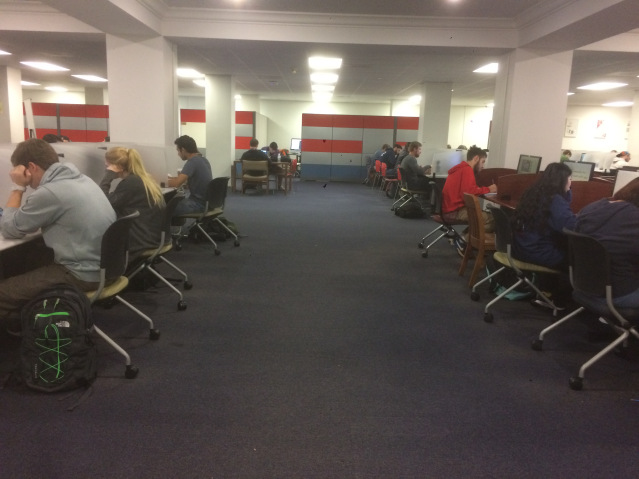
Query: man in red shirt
x=461, y=179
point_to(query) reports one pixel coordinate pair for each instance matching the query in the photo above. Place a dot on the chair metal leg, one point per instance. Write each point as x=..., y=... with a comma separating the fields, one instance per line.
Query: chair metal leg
x=537, y=343
x=488, y=316
x=181, y=303
x=237, y=240
x=217, y=250
x=153, y=333
x=130, y=371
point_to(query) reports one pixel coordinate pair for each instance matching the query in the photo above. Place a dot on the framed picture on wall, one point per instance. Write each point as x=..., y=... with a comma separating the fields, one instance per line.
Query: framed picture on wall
x=600, y=130
x=572, y=124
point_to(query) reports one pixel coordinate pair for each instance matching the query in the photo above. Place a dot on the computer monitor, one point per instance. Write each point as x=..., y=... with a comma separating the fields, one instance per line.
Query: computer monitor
x=296, y=144
x=623, y=178
x=581, y=170
x=583, y=157
x=528, y=165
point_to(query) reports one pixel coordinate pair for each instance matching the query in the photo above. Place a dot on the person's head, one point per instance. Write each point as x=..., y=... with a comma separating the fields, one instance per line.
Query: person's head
x=36, y=156
x=567, y=153
x=415, y=148
x=624, y=155
x=186, y=147
x=556, y=179
x=462, y=147
x=272, y=147
x=385, y=146
x=629, y=193
x=107, y=139
x=64, y=138
x=51, y=138
x=254, y=143
x=127, y=161
x=476, y=158
x=397, y=148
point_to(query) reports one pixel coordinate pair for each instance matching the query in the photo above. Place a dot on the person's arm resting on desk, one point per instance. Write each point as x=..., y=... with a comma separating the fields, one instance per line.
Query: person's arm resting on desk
x=18, y=221
x=177, y=181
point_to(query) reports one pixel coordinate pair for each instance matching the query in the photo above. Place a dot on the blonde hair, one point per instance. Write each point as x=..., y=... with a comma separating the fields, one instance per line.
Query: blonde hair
x=130, y=161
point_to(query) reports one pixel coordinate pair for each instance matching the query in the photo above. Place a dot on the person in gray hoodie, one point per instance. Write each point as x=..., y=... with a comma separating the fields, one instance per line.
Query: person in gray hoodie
x=71, y=212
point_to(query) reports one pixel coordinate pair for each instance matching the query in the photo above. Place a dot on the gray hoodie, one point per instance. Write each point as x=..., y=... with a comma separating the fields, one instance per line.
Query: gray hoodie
x=72, y=213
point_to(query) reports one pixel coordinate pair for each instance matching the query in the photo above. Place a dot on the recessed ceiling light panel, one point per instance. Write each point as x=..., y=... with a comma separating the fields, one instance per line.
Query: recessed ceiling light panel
x=50, y=67
x=601, y=86
x=55, y=88
x=324, y=77
x=188, y=73
x=324, y=63
x=619, y=103
x=28, y=83
x=90, y=78
x=2, y=52
x=489, y=68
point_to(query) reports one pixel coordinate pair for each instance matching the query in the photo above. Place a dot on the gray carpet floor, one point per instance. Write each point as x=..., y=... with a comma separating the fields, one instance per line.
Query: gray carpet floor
x=325, y=346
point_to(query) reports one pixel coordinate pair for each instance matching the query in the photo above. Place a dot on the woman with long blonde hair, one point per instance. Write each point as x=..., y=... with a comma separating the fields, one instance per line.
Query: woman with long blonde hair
x=137, y=191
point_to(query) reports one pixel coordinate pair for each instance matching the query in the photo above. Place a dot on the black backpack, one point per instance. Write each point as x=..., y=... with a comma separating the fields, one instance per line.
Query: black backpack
x=57, y=353
x=411, y=209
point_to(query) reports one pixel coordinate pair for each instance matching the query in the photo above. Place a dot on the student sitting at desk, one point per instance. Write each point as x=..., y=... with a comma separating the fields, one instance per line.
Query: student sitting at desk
x=615, y=223
x=621, y=160
x=137, y=191
x=197, y=170
x=462, y=179
x=416, y=176
x=72, y=213
x=539, y=219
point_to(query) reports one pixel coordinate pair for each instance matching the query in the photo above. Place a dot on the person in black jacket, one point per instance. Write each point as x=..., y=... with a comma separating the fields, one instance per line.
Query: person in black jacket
x=137, y=191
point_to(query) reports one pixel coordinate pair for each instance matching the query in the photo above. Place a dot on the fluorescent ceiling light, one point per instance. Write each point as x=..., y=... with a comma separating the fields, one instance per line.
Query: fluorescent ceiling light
x=50, y=67
x=324, y=63
x=55, y=88
x=28, y=83
x=321, y=96
x=490, y=105
x=570, y=93
x=238, y=97
x=90, y=78
x=490, y=68
x=2, y=52
x=415, y=99
x=602, y=86
x=188, y=73
x=201, y=83
x=327, y=88
x=619, y=103
x=324, y=77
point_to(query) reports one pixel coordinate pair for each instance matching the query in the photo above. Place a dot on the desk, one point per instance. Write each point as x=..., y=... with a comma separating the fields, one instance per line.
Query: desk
x=583, y=192
x=17, y=256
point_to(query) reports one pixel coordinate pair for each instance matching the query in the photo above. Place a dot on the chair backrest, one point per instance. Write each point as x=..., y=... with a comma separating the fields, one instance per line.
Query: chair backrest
x=293, y=166
x=436, y=198
x=255, y=166
x=378, y=166
x=115, y=244
x=399, y=175
x=476, y=228
x=216, y=192
x=384, y=167
x=503, y=229
x=589, y=264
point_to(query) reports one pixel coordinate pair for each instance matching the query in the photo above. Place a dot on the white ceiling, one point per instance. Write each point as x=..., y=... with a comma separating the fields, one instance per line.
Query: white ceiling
x=389, y=48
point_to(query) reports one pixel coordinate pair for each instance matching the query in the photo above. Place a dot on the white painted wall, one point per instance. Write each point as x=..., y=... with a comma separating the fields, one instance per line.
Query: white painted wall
x=43, y=96
x=614, y=127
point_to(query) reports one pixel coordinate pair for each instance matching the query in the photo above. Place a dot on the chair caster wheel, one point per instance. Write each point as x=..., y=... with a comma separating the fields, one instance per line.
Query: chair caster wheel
x=131, y=372
x=236, y=243
x=181, y=305
x=154, y=334
x=425, y=254
x=474, y=296
x=188, y=285
x=218, y=252
x=488, y=317
x=536, y=344
x=576, y=383
x=420, y=245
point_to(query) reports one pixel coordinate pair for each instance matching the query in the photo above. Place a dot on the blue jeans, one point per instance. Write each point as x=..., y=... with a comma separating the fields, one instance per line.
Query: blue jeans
x=188, y=205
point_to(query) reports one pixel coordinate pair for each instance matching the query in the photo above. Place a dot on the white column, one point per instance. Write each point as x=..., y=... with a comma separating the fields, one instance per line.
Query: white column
x=531, y=96
x=11, y=117
x=220, y=123
x=434, y=115
x=143, y=106
x=633, y=134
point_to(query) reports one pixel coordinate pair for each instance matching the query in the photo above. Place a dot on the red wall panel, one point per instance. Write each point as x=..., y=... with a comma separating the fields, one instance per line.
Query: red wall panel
x=344, y=146
x=321, y=146
x=311, y=119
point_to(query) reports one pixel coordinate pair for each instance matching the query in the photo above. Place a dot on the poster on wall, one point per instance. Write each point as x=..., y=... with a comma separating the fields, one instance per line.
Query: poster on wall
x=572, y=124
x=627, y=131
x=600, y=130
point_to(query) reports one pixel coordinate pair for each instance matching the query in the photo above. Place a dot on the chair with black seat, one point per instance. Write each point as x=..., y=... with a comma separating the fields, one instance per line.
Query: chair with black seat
x=478, y=239
x=408, y=194
x=590, y=278
x=522, y=269
x=255, y=173
x=153, y=256
x=113, y=262
x=445, y=228
x=213, y=209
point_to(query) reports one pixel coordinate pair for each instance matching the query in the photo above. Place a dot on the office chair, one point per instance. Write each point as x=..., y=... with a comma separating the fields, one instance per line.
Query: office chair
x=156, y=255
x=445, y=228
x=213, y=209
x=408, y=194
x=113, y=261
x=590, y=278
x=478, y=239
x=378, y=173
x=503, y=246
x=260, y=175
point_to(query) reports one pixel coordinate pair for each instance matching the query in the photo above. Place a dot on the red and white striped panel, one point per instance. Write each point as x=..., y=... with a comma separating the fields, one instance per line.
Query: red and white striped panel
x=377, y=131
x=84, y=122
x=244, y=131
x=45, y=117
x=407, y=129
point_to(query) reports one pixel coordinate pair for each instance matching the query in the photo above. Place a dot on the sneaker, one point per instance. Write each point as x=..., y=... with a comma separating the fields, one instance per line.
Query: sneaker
x=460, y=245
x=540, y=303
